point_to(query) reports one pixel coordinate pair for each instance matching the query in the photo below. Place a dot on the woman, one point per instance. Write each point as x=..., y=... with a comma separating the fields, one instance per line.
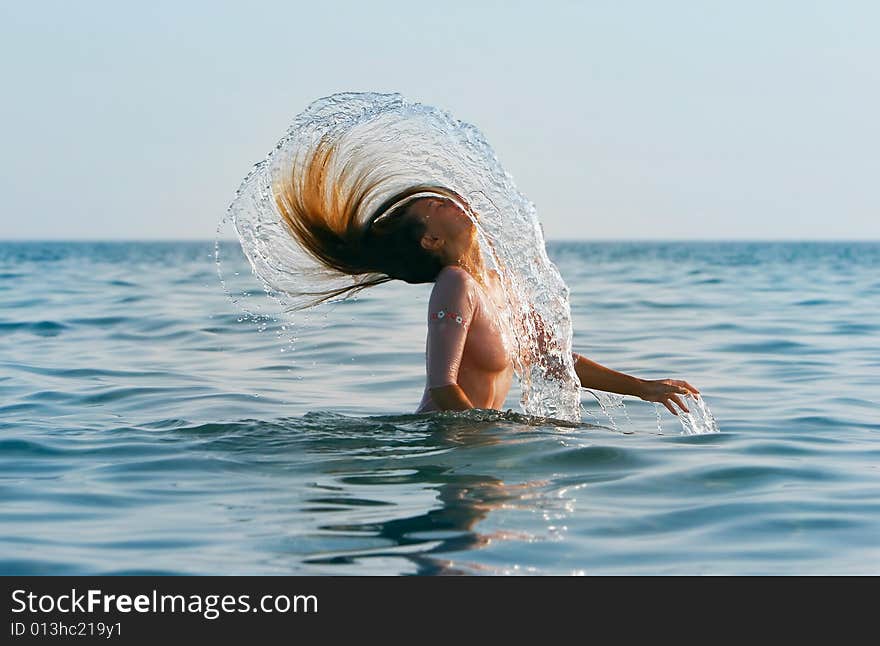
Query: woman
x=421, y=235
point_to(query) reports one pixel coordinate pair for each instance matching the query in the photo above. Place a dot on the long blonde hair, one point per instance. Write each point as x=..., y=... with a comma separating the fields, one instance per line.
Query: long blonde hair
x=324, y=207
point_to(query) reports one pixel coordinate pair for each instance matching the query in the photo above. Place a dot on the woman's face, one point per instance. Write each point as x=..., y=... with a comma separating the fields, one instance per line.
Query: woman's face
x=448, y=229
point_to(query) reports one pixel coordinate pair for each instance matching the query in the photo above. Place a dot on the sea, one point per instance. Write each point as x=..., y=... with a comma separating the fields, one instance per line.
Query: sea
x=155, y=420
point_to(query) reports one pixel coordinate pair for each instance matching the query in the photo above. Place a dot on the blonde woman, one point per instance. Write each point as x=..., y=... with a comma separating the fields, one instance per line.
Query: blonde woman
x=423, y=234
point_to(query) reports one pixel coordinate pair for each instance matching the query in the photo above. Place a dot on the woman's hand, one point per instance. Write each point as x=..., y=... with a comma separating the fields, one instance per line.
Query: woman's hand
x=666, y=391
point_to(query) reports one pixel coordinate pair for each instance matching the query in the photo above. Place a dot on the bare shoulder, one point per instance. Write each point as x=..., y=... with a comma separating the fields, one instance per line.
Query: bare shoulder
x=454, y=287
x=453, y=278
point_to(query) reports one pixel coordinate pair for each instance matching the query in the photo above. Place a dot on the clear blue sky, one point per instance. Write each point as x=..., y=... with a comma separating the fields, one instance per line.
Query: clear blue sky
x=618, y=119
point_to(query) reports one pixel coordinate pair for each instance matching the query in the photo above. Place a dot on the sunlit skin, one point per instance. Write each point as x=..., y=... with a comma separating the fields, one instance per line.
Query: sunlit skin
x=451, y=236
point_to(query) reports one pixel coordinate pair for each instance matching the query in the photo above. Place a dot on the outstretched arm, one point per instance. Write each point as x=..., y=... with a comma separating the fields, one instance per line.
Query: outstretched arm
x=663, y=391
x=594, y=375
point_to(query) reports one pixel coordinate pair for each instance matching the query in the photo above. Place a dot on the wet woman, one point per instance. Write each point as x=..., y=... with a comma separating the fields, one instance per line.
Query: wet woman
x=423, y=234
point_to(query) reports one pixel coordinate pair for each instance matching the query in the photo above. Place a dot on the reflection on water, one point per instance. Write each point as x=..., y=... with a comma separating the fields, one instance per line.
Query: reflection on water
x=409, y=494
x=398, y=489
x=449, y=525
x=423, y=538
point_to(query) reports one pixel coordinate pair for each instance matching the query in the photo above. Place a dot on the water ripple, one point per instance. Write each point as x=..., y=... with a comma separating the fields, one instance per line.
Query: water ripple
x=144, y=420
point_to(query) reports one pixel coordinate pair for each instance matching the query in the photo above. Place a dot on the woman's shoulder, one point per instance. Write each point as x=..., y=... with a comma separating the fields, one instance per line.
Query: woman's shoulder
x=453, y=280
x=454, y=276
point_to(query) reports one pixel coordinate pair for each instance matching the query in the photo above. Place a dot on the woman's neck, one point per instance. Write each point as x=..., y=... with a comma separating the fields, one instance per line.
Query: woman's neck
x=472, y=262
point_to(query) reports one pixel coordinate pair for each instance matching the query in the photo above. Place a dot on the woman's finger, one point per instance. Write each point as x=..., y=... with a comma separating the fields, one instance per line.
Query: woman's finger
x=680, y=403
x=669, y=406
x=692, y=388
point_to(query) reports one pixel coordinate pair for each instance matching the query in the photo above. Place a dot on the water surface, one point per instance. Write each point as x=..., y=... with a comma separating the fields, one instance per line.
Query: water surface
x=146, y=426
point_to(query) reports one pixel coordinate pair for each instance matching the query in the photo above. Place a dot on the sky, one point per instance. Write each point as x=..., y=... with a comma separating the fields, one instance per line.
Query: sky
x=619, y=120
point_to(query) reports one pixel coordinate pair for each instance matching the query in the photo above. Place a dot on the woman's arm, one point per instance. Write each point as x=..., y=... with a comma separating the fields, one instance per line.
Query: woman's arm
x=594, y=375
x=663, y=391
x=450, y=311
x=450, y=397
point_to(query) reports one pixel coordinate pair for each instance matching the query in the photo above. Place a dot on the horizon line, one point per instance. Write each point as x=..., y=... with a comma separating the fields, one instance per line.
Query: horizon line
x=548, y=240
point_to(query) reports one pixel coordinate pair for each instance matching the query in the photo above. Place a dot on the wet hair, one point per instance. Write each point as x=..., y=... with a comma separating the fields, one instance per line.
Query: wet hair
x=394, y=234
x=322, y=207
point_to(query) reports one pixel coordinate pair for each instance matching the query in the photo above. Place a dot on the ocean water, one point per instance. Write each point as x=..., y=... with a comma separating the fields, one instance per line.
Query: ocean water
x=148, y=426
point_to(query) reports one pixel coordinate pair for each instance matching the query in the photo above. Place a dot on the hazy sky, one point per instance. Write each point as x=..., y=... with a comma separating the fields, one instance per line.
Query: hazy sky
x=628, y=120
